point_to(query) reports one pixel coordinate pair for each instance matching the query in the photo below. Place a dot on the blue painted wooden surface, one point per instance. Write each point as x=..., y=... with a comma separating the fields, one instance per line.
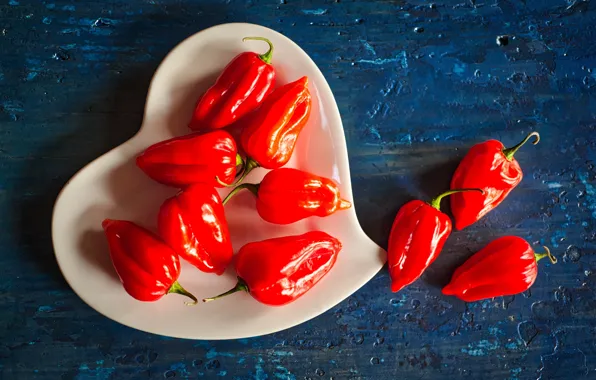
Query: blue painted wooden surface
x=417, y=84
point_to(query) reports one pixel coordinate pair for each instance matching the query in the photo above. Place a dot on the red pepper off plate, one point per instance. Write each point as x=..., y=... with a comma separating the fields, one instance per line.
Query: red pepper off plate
x=242, y=86
x=270, y=133
x=417, y=236
x=506, y=266
x=147, y=267
x=194, y=158
x=492, y=168
x=193, y=223
x=278, y=271
x=288, y=195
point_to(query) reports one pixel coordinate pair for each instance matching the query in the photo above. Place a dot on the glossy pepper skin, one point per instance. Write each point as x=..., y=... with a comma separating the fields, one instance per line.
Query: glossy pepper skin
x=506, y=266
x=193, y=223
x=147, y=267
x=242, y=86
x=490, y=167
x=288, y=195
x=270, y=133
x=182, y=161
x=417, y=237
x=278, y=271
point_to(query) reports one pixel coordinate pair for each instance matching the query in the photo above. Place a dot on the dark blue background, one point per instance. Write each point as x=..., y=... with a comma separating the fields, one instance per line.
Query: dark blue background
x=74, y=76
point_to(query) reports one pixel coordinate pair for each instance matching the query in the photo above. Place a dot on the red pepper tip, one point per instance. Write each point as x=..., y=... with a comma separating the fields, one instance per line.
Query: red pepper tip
x=106, y=223
x=303, y=81
x=344, y=205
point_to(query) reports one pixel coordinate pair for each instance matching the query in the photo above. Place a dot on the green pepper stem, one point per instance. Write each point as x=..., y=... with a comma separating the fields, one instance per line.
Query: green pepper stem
x=264, y=57
x=240, y=287
x=253, y=187
x=248, y=166
x=177, y=288
x=239, y=160
x=540, y=256
x=436, y=201
x=509, y=152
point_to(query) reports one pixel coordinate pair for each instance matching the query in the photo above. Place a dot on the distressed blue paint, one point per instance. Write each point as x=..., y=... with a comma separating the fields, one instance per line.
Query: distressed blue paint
x=411, y=102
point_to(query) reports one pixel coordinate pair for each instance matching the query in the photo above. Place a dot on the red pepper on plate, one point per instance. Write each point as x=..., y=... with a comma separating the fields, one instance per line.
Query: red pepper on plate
x=193, y=223
x=147, y=267
x=417, y=236
x=242, y=86
x=506, y=266
x=185, y=160
x=288, y=195
x=492, y=168
x=280, y=270
x=270, y=133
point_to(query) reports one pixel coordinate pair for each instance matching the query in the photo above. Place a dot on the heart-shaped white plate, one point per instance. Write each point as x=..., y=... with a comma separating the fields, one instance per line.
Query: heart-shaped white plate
x=112, y=186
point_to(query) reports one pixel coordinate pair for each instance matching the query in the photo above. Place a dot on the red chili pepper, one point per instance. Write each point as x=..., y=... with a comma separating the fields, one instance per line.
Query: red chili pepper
x=280, y=270
x=242, y=86
x=193, y=223
x=490, y=167
x=417, y=236
x=505, y=267
x=147, y=267
x=185, y=160
x=270, y=133
x=288, y=195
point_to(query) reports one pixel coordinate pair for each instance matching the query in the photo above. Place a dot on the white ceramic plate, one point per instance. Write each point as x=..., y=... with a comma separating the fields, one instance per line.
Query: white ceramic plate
x=112, y=186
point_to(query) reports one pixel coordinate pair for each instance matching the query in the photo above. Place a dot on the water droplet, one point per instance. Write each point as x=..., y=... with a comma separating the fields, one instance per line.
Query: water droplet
x=319, y=372
x=543, y=310
x=394, y=302
x=61, y=55
x=503, y=40
x=212, y=364
x=379, y=341
x=359, y=20
x=418, y=29
x=374, y=360
x=477, y=73
x=572, y=254
x=432, y=6
x=283, y=2
x=563, y=295
x=587, y=272
x=169, y=374
x=527, y=331
x=415, y=304
x=358, y=339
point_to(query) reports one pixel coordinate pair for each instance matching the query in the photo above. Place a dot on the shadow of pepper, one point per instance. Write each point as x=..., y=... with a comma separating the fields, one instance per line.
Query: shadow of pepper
x=119, y=108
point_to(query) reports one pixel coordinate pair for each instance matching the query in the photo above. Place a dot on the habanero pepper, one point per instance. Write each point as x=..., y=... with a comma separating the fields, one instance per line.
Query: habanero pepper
x=193, y=223
x=147, y=267
x=505, y=267
x=288, y=195
x=193, y=158
x=492, y=168
x=278, y=271
x=417, y=237
x=242, y=86
x=270, y=133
